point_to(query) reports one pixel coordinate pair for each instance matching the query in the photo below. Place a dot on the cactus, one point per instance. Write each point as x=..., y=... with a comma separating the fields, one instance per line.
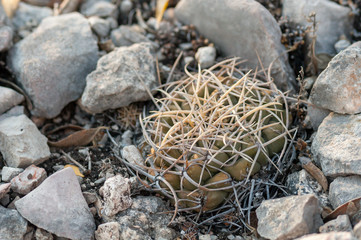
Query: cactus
x=213, y=131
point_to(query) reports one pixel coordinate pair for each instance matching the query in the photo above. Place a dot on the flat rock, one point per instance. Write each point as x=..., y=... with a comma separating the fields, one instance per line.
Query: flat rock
x=8, y=97
x=344, y=189
x=64, y=211
x=61, y=47
x=340, y=224
x=116, y=194
x=241, y=28
x=121, y=77
x=21, y=143
x=108, y=231
x=333, y=20
x=12, y=225
x=288, y=217
x=28, y=180
x=8, y=173
x=338, y=87
x=329, y=236
x=6, y=38
x=4, y=189
x=127, y=36
x=336, y=145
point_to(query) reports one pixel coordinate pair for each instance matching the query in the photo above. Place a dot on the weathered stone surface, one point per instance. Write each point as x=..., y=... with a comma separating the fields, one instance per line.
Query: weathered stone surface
x=337, y=145
x=64, y=211
x=315, y=116
x=340, y=224
x=66, y=60
x=343, y=189
x=12, y=225
x=100, y=26
x=15, y=111
x=329, y=236
x=4, y=189
x=342, y=45
x=357, y=230
x=116, y=194
x=206, y=56
x=41, y=234
x=100, y=8
x=8, y=97
x=8, y=173
x=108, y=231
x=6, y=38
x=127, y=36
x=28, y=180
x=132, y=155
x=288, y=217
x=122, y=77
x=21, y=143
x=241, y=28
x=338, y=87
x=333, y=20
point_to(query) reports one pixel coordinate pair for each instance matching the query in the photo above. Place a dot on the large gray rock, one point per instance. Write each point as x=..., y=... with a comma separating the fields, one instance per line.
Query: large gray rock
x=21, y=143
x=121, y=77
x=288, y=217
x=333, y=20
x=241, y=28
x=12, y=225
x=51, y=64
x=338, y=87
x=9, y=98
x=336, y=146
x=344, y=189
x=58, y=206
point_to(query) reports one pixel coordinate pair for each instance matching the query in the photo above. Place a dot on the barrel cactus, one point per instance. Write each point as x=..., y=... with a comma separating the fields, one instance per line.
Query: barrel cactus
x=211, y=133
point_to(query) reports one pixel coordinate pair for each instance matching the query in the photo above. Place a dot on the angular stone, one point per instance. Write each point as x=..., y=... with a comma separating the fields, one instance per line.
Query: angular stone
x=8, y=97
x=61, y=48
x=241, y=28
x=329, y=236
x=15, y=111
x=108, y=231
x=12, y=225
x=340, y=224
x=288, y=217
x=21, y=143
x=116, y=194
x=338, y=87
x=344, y=189
x=28, y=180
x=121, y=77
x=64, y=211
x=4, y=189
x=6, y=39
x=8, y=173
x=127, y=36
x=132, y=155
x=28, y=16
x=206, y=56
x=100, y=26
x=336, y=145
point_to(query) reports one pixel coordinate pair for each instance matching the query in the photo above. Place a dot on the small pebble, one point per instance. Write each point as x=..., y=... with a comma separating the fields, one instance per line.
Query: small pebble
x=341, y=45
x=206, y=56
x=126, y=6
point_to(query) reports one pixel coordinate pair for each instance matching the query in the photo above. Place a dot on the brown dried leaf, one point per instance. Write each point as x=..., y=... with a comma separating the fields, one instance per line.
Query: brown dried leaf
x=79, y=138
x=317, y=174
x=350, y=208
x=10, y=7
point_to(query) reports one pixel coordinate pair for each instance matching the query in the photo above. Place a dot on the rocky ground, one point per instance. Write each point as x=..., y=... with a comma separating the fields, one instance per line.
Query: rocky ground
x=75, y=73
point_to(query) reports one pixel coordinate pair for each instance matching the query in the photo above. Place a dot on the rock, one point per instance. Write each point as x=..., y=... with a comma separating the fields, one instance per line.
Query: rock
x=41, y=234
x=127, y=138
x=127, y=36
x=116, y=194
x=309, y=81
x=132, y=155
x=98, y=8
x=340, y=224
x=4, y=189
x=12, y=225
x=12, y=204
x=28, y=180
x=64, y=211
x=241, y=28
x=8, y=173
x=15, y=111
x=100, y=26
x=67, y=58
x=122, y=77
x=8, y=97
x=333, y=21
x=344, y=189
x=108, y=231
x=21, y=143
x=329, y=236
x=357, y=230
x=206, y=56
x=90, y=197
x=288, y=217
x=336, y=145
x=341, y=45
x=338, y=87
x=5, y=200
x=6, y=38
x=126, y=6
x=39, y=2
x=112, y=22
x=315, y=116
x=28, y=17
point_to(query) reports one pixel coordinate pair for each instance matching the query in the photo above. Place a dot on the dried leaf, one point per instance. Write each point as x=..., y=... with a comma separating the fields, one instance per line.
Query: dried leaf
x=316, y=173
x=75, y=169
x=350, y=208
x=161, y=7
x=79, y=138
x=10, y=7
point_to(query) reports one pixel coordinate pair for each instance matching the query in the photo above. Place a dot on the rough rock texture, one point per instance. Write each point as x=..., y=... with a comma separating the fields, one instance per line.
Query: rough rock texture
x=343, y=189
x=4, y=189
x=337, y=145
x=127, y=36
x=28, y=180
x=357, y=230
x=288, y=217
x=315, y=116
x=121, y=77
x=12, y=225
x=206, y=56
x=108, y=231
x=21, y=143
x=240, y=28
x=58, y=206
x=8, y=97
x=333, y=20
x=8, y=173
x=65, y=60
x=6, y=38
x=338, y=87
x=132, y=155
x=116, y=194
x=340, y=224
x=329, y=236
x=41, y=234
